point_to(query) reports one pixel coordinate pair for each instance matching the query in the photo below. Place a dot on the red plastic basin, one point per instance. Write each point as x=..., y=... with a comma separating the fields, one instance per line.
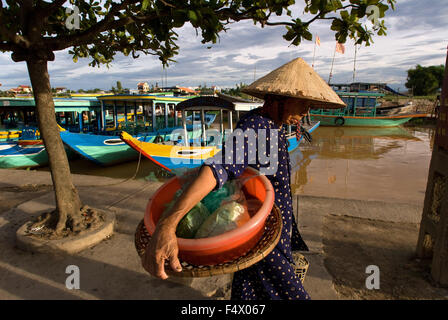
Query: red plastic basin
x=224, y=247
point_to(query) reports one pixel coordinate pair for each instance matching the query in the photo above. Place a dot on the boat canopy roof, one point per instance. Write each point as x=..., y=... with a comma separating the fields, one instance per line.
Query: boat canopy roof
x=140, y=98
x=208, y=103
x=61, y=104
x=366, y=94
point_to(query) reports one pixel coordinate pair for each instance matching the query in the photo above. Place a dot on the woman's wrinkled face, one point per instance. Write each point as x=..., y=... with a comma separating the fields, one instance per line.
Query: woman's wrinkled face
x=294, y=110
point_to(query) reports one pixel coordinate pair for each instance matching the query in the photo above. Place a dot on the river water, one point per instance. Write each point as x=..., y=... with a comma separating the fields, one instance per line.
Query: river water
x=388, y=164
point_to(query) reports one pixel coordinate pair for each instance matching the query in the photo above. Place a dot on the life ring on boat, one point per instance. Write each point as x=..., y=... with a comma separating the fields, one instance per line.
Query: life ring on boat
x=159, y=139
x=339, y=121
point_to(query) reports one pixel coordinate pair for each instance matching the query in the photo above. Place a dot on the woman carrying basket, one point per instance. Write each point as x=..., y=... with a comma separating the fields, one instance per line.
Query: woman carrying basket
x=289, y=92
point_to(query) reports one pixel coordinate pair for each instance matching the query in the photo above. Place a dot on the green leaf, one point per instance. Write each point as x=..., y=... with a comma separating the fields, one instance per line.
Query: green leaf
x=192, y=16
x=145, y=5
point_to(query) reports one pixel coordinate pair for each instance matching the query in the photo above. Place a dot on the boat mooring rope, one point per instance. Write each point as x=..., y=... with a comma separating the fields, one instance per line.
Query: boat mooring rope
x=120, y=182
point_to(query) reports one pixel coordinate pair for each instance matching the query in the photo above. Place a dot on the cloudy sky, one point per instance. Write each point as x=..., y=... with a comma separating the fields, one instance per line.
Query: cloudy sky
x=417, y=34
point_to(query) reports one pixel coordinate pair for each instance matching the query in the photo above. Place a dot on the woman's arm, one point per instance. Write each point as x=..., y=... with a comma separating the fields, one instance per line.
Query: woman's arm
x=163, y=245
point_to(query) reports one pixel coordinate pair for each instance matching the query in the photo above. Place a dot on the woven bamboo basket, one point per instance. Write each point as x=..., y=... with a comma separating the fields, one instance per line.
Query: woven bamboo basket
x=265, y=245
x=301, y=265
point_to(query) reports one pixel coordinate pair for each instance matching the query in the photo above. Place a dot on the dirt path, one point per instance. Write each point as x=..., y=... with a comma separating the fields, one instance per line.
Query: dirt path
x=355, y=243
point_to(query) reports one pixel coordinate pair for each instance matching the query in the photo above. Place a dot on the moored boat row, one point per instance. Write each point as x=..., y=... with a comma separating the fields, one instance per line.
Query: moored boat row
x=91, y=126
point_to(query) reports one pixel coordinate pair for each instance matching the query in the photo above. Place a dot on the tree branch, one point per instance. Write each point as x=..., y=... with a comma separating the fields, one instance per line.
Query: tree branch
x=279, y=23
x=60, y=43
x=227, y=13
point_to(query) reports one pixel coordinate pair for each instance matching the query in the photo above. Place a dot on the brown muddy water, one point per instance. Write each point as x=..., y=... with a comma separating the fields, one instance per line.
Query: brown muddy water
x=387, y=164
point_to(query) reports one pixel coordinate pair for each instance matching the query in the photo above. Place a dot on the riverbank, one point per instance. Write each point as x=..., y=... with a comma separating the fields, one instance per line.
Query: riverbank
x=112, y=269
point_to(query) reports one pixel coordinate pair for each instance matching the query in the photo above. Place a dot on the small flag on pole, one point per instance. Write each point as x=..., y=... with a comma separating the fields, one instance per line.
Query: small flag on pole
x=318, y=41
x=340, y=48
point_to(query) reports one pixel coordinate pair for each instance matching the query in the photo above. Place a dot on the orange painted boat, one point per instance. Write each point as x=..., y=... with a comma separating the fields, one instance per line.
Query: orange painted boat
x=30, y=142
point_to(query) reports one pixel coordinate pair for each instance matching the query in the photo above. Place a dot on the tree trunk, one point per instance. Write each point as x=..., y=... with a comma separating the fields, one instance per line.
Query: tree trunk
x=68, y=203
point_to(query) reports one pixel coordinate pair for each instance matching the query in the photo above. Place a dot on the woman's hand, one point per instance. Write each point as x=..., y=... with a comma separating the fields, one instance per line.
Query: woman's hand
x=162, y=247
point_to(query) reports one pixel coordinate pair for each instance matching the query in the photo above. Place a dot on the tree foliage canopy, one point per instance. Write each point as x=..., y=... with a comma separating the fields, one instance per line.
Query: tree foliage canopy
x=37, y=28
x=425, y=80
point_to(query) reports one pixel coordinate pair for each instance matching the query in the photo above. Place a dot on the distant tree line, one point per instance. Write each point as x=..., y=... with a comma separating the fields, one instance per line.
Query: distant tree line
x=237, y=91
x=5, y=94
x=89, y=90
x=425, y=81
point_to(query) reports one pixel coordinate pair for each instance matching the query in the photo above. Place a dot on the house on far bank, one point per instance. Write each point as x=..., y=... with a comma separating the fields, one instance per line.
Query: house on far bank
x=143, y=87
x=177, y=90
x=25, y=89
x=186, y=90
x=59, y=90
x=14, y=90
x=21, y=90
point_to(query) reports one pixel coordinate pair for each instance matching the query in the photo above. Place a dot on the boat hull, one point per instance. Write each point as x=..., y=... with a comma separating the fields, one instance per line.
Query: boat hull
x=14, y=155
x=108, y=150
x=348, y=121
x=176, y=157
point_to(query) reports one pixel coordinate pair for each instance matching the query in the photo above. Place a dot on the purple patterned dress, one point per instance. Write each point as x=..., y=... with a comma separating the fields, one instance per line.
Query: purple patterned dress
x=273, y=277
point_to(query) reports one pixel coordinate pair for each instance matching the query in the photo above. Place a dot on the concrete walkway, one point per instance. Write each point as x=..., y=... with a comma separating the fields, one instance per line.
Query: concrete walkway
x=310, y=212
x=112, y=269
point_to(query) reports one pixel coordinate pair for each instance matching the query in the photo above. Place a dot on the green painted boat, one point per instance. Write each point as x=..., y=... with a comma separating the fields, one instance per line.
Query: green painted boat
x=361, y=111
x=24, y=149
x=15, y=155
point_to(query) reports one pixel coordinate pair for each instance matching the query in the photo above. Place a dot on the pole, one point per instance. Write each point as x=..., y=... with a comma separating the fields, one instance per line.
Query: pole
x=184, y=124
x=354, y=63
x=332, y=64
x=314, y=53
x=255, y=70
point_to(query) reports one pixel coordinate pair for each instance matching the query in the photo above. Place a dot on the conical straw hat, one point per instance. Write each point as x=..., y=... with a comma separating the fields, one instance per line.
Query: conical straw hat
x=296, y=79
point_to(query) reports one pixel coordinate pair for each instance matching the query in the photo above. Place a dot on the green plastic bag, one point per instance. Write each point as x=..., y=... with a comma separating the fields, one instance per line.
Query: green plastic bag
x=227, y=217
x=214, y=199
x=192, y=221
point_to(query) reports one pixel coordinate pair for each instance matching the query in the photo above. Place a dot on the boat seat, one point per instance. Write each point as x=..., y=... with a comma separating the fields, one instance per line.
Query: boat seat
x=28, y=134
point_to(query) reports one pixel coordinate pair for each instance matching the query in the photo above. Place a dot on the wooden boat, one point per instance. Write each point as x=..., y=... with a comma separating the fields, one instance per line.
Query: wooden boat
x=25, y=148
x=13, y=155
x=361, y=111
x=174, y=156
x=85, y=122
x=108, y=150
x=9, y=135
x=26, y=153
x=148, y=118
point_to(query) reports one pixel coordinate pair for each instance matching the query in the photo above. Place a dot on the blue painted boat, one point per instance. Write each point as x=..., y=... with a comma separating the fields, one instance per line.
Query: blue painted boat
x=21, y=154
x=13, y=155
x=108, y=150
